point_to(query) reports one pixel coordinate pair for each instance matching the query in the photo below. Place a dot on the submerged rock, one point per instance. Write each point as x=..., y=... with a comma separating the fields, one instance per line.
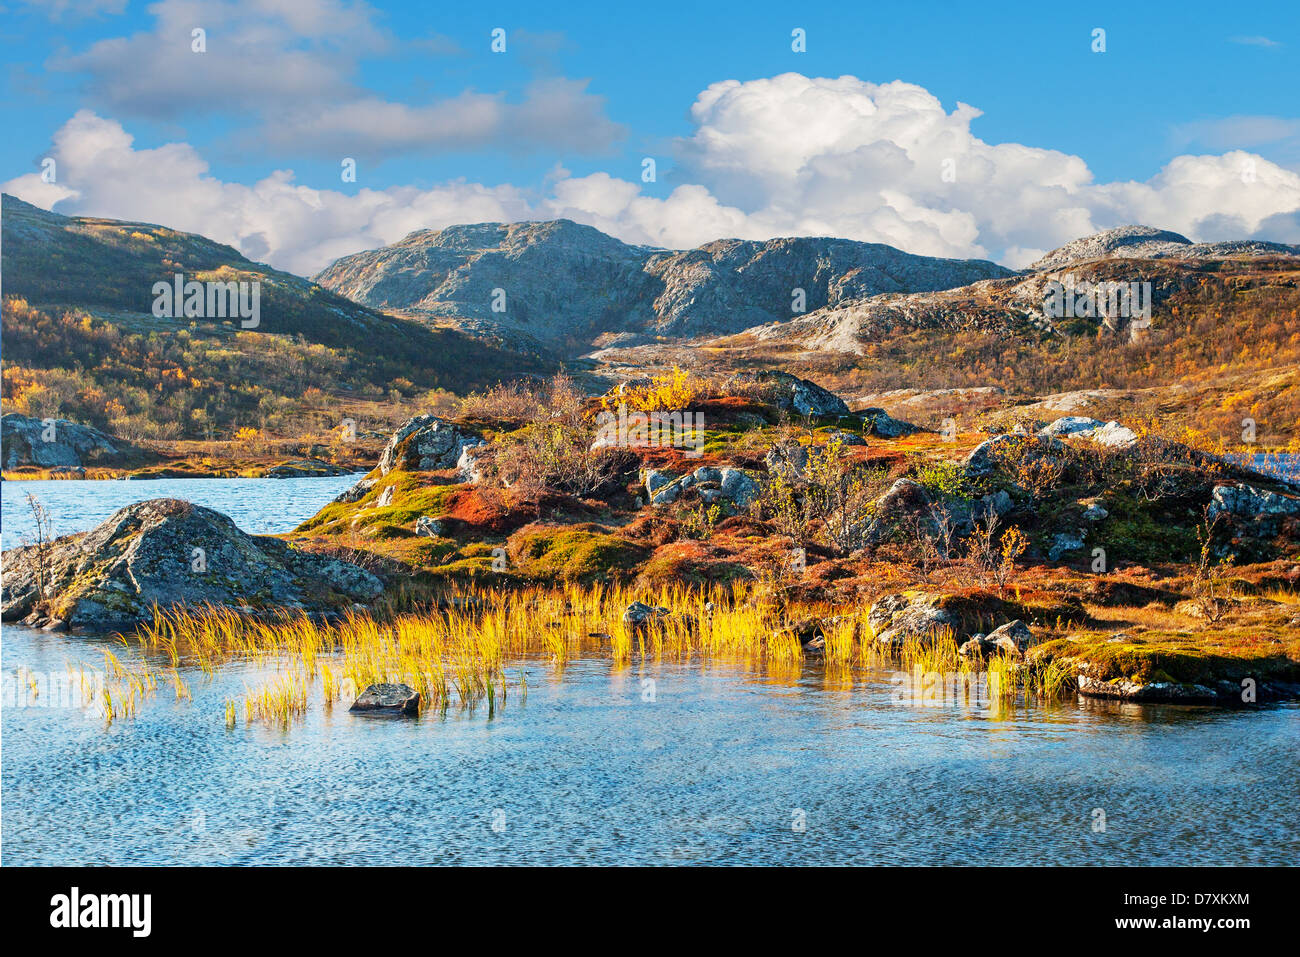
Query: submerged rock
x=388, y=699
x=171, y=553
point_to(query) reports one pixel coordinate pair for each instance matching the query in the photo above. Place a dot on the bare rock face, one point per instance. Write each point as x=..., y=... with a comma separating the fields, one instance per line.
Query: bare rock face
x=565, y=283
x=170, y=553
x=1144, y=242
x=426, y=443
x=61, y=444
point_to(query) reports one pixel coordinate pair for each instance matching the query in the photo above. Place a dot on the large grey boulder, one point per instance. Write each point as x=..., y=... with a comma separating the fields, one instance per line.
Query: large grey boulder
x=1110, y=434
x=1247, y=501
x=59, y=443
x=426, y=443
x=171, y=553
x=895, y=618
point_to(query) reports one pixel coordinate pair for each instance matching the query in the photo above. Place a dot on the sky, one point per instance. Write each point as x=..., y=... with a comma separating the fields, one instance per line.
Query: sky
x=995, y=131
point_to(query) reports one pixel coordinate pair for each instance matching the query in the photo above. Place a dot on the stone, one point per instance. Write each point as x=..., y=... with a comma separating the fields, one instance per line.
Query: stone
x=429, y=527
x=897, y=617
x=880, y=423
x=356, y=492
x=639, y=615
x=1013, y=637
x=1064, y=542
x=425, y=443
x=1247, y=501
x=72, y=445
x=171, y=553
x=388, y=699
x=1095, y=513
x=386, y=497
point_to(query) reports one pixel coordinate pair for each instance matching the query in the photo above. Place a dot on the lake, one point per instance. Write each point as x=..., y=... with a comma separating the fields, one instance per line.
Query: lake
x=611, y=764
x=259, y=506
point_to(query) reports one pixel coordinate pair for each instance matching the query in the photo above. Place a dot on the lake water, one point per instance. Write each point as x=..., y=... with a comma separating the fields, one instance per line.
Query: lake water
x=259, y=506
x=647, y=763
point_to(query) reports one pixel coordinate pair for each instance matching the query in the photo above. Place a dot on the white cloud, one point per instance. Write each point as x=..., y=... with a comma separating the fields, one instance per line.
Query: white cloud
x=290, y=66
x=789, y=155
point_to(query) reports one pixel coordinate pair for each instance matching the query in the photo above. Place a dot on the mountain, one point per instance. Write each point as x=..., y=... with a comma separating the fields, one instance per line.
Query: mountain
x=1144, y=242
x=80, y=339
x=568, y=286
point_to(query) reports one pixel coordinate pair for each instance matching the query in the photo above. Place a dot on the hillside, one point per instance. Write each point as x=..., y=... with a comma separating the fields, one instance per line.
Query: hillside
x=566, y=286
x=80, y=338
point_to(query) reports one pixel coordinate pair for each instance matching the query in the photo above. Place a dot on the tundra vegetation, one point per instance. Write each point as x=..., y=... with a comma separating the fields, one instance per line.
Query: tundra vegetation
x=1127, y=570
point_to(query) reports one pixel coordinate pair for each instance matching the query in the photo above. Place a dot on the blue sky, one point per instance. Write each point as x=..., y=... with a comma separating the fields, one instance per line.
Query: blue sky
x=588, y=89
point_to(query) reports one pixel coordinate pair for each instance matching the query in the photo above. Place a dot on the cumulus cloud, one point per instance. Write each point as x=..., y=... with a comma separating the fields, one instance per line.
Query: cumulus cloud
x=788, y=155
x=292, y=66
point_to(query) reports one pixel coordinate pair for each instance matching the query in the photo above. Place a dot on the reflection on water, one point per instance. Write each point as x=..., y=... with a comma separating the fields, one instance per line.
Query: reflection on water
x=644, y=763
x=258, y=506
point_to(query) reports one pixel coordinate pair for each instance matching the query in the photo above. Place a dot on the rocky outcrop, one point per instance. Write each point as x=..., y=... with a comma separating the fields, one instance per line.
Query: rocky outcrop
x=1111, y=434
x=638, y=616
x=170, y=553
x=713, y=485
x=1144, y=242
x=1012, y=639
x=895, y=618
x=983, y=459
x=426, y=443
x=58, y=443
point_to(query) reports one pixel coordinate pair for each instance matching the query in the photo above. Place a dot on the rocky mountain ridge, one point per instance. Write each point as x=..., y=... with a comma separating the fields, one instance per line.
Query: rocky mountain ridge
x=563, y=285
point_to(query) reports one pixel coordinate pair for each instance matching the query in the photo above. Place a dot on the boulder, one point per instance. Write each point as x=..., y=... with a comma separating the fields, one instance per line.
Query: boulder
x=59, y=443
x=999, y=503
x=356, y=492
x=845, y=438
x=1103, y=433
x=1247, y=501
x=800, y=396
x=173, y=554
x=904, y=503
x=788, y=461
x=388, y=699
x=738, y=487
x=1064, y=542
x=897, y=617
x=880, y=423
x=639, y=615
x=426, y=443
x=1013, y=637
x=386, y=497
x=983, y=458
x=429, y=527
x=1095, y=512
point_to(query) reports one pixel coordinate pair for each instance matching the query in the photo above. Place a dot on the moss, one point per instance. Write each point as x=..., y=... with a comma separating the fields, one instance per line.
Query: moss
x=573, y=553
x=1183, y=658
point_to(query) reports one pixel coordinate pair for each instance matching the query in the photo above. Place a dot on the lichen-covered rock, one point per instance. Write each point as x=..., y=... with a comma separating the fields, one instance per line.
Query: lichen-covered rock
x=1110, y=434
x=1247, y=501
x=355, y=492
x=897, y=617
x=788, y=461
x=171, y=553
x=904, y=504
x=426, y=443
x=1064, y=542
x=388, y=699
x=427, y=526
x=983, y=459
x=58, y=443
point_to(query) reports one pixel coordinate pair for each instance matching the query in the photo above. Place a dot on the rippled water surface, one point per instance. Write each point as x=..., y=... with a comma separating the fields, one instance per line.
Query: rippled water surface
x=720, y=767
x=647, y=763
